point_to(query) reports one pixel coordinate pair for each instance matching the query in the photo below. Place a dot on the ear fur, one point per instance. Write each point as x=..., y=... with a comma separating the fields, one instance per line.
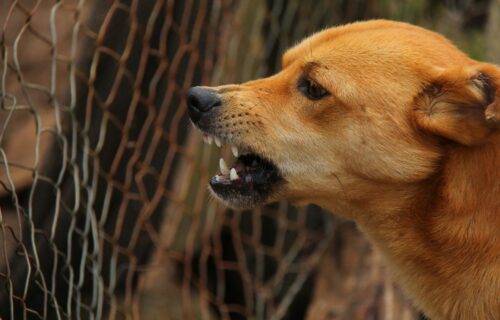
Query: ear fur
x=492, y=112
x=461, y=104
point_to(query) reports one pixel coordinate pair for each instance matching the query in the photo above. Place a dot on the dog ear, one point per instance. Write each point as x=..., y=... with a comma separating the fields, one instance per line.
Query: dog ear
x=461, y=104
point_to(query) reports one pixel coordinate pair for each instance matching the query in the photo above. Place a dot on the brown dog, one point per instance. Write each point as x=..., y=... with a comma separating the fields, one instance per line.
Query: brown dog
x=387, y=124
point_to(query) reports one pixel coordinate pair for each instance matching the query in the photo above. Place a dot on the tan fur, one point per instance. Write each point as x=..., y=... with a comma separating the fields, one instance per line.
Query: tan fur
x=407, y=145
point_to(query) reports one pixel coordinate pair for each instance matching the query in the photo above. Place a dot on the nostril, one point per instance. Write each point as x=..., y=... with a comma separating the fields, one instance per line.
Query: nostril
x=216, y=102
x=194, y=103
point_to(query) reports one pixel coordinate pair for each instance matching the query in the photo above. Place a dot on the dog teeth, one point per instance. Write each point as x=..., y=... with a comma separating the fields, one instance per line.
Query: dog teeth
x=233, y=175
x=217, y=178
x=235, y=151
x=223, y=167
x=209, y=139
x=218, y=142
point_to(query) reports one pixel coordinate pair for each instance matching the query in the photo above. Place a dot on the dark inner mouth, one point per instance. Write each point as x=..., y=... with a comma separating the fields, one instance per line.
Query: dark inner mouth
x=250, y=174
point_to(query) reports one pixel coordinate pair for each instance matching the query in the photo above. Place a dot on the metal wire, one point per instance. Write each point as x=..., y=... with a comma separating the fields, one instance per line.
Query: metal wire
x=100, y=86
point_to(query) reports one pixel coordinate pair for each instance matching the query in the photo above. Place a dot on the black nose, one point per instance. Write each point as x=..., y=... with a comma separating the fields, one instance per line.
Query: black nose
x=201, y=100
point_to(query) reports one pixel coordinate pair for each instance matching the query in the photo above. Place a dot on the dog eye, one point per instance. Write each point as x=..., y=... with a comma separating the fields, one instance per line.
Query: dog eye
x=311, y=89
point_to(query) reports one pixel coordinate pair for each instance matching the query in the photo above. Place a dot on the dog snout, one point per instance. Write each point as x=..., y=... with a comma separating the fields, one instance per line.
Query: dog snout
x=201, y=101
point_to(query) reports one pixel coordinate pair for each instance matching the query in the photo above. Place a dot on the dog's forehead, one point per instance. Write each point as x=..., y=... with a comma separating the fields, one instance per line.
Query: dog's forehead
x=376, y=37
x=325, y=37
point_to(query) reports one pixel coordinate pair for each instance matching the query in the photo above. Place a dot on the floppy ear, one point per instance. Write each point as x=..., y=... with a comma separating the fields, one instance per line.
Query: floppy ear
x=461, y=104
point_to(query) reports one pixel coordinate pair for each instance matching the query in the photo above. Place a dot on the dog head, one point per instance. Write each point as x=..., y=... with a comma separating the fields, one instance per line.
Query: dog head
x=355, y=111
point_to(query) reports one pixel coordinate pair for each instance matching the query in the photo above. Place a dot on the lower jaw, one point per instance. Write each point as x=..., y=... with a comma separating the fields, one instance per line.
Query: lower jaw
x=239, y=200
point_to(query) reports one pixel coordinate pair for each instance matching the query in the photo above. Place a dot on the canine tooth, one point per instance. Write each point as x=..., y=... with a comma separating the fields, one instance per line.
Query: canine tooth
x=218, y=142
x=233, y=175
x=223, y=167
x=210, y=139
x=217, y=178
x=235, y=151
x=205, y=138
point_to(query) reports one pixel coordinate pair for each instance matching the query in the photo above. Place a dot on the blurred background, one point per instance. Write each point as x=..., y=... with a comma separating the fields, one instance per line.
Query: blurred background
x=104, y=211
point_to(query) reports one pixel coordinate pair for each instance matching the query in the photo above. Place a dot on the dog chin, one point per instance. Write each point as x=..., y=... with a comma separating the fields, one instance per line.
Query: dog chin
x=237, y=200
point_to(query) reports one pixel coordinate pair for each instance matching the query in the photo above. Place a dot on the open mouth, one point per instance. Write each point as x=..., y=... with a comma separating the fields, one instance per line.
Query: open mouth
x=249, y=181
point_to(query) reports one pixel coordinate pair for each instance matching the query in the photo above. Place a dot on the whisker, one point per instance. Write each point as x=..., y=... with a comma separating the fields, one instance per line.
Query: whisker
x=341, y=185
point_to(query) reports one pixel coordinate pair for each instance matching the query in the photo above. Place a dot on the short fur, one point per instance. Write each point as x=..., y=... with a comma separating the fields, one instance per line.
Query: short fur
x=407, y=144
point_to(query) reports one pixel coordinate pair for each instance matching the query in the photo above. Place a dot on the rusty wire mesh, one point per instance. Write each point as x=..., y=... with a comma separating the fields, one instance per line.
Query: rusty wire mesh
x=108, y=197
x=104, y=211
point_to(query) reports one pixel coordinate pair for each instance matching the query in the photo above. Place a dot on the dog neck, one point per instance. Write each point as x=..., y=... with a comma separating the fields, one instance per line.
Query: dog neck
x=438, y=235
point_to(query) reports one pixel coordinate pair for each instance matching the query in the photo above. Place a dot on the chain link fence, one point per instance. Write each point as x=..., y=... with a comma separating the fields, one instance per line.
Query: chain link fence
x=104, y=210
